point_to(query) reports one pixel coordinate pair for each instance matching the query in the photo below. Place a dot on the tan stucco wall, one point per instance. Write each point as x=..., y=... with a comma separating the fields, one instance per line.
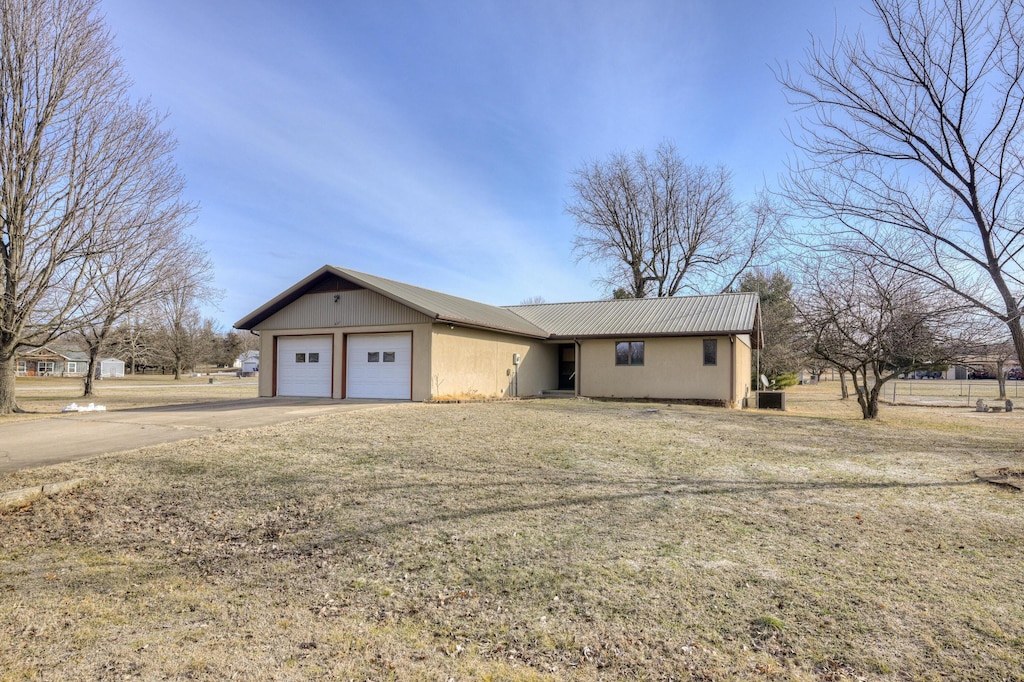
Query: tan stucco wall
x=421, y=339
x=477, y=362
x=673, y=369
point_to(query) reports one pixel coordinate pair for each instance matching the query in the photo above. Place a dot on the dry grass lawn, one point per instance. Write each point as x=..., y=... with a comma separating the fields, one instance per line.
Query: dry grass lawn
x=535, y=540
x=45, y=396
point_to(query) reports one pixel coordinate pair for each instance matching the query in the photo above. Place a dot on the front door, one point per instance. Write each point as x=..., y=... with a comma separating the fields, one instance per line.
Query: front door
x=567, y=367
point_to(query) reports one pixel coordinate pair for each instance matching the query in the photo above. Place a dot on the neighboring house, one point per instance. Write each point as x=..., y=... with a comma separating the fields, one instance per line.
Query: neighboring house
x=346, y=334
x=45, y=361
x=249, y=361
x=111, y=368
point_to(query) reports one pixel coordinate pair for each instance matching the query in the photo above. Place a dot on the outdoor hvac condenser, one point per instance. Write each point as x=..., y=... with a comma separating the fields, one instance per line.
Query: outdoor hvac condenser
x=771, y=400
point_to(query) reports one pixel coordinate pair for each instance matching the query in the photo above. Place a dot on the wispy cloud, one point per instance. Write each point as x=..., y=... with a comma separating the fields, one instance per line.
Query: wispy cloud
x=432, y=142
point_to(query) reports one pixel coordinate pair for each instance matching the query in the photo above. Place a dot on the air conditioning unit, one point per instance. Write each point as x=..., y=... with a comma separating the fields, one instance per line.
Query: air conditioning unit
x=771, y=400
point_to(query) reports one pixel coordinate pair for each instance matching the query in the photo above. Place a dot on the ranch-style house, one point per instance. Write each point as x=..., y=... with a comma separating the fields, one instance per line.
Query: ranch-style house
x=340, y=333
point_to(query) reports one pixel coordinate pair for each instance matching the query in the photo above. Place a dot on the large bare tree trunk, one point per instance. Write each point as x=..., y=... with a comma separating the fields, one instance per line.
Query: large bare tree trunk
x=7, y=376
x=89, y=389
x=1017, y=336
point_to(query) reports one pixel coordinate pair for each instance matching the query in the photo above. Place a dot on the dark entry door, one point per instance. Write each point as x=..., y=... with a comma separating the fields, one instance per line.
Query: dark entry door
x=566, y=367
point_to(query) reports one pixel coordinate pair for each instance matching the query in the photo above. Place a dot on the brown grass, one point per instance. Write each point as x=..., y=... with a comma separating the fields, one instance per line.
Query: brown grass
x=554, y=540
x=46, y=396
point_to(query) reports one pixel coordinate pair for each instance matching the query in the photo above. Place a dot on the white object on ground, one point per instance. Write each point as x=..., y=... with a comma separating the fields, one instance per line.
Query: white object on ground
x=91, y=407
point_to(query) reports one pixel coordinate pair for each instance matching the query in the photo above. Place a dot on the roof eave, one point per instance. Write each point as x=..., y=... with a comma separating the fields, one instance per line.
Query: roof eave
x=278, y=302
x=488, y=327
x=648, y=335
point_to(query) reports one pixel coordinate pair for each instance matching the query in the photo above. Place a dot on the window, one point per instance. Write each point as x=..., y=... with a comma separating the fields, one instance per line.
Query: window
x=629, y=353
x=373, y=357
x=389, y=356
x=45, y=367
x=314, y=357
x=710, y=351
x=300, y=357
x=22, y=366
x=72, y=367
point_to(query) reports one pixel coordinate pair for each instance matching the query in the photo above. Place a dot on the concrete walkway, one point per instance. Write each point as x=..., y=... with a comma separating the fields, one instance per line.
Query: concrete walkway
x=75, y=435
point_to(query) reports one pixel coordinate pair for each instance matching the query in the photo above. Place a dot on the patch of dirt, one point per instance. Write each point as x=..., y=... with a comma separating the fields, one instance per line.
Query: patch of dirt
x=1005, y=476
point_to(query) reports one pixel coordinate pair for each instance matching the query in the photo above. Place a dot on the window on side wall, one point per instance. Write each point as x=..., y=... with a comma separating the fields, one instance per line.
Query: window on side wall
x=629, y=353
x=710, y=351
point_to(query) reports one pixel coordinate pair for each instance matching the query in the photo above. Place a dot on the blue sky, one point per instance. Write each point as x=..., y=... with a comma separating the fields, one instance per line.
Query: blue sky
x=433, y=142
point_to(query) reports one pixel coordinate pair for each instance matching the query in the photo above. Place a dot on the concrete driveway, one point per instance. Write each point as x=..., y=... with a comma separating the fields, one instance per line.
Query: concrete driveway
x=75, y=435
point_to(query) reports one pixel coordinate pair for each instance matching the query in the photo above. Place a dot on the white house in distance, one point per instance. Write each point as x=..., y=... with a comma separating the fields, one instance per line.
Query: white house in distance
x=345, y=334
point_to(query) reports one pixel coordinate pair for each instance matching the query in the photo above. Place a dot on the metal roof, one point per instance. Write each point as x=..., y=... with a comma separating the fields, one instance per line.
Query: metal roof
x=673, y=316
x=434, y=304
x=445, y=307
x=676, y=316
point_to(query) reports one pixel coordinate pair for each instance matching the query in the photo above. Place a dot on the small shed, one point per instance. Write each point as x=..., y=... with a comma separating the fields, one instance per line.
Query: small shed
x=251, y=361
x=111, y=368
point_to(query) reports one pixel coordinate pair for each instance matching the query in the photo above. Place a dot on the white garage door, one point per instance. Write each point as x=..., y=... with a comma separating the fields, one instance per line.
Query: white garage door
x=379, y=366
x=304, y=366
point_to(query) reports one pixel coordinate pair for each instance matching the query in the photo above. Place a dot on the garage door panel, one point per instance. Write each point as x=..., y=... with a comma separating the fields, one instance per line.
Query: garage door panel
x=379, y=366
x=304, y=366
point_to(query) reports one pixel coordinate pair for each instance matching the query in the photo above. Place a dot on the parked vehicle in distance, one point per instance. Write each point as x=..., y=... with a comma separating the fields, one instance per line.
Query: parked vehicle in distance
x=1015, y=373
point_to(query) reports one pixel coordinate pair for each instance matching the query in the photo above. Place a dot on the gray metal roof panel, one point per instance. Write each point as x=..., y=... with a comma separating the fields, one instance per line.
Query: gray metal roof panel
x=721, y=313
x=446, y=307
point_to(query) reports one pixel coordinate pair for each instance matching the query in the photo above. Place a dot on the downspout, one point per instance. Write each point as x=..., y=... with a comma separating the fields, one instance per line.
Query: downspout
x=732, y=370
x=579, y=359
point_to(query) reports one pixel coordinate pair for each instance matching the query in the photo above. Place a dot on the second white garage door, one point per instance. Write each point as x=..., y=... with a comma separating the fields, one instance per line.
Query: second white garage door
x=379, y=366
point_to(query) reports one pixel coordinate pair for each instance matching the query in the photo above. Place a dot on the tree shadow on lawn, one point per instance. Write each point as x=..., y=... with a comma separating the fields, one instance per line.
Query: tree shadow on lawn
x=650, y=488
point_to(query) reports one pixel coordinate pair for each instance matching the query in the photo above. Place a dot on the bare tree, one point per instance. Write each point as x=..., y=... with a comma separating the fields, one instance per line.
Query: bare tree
x=875, y=322
x=79, y=161
x=133, y=339
x=914, y=147
x=995, y=354
x=664, y=226
x=180, y=327
x=151, y=246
